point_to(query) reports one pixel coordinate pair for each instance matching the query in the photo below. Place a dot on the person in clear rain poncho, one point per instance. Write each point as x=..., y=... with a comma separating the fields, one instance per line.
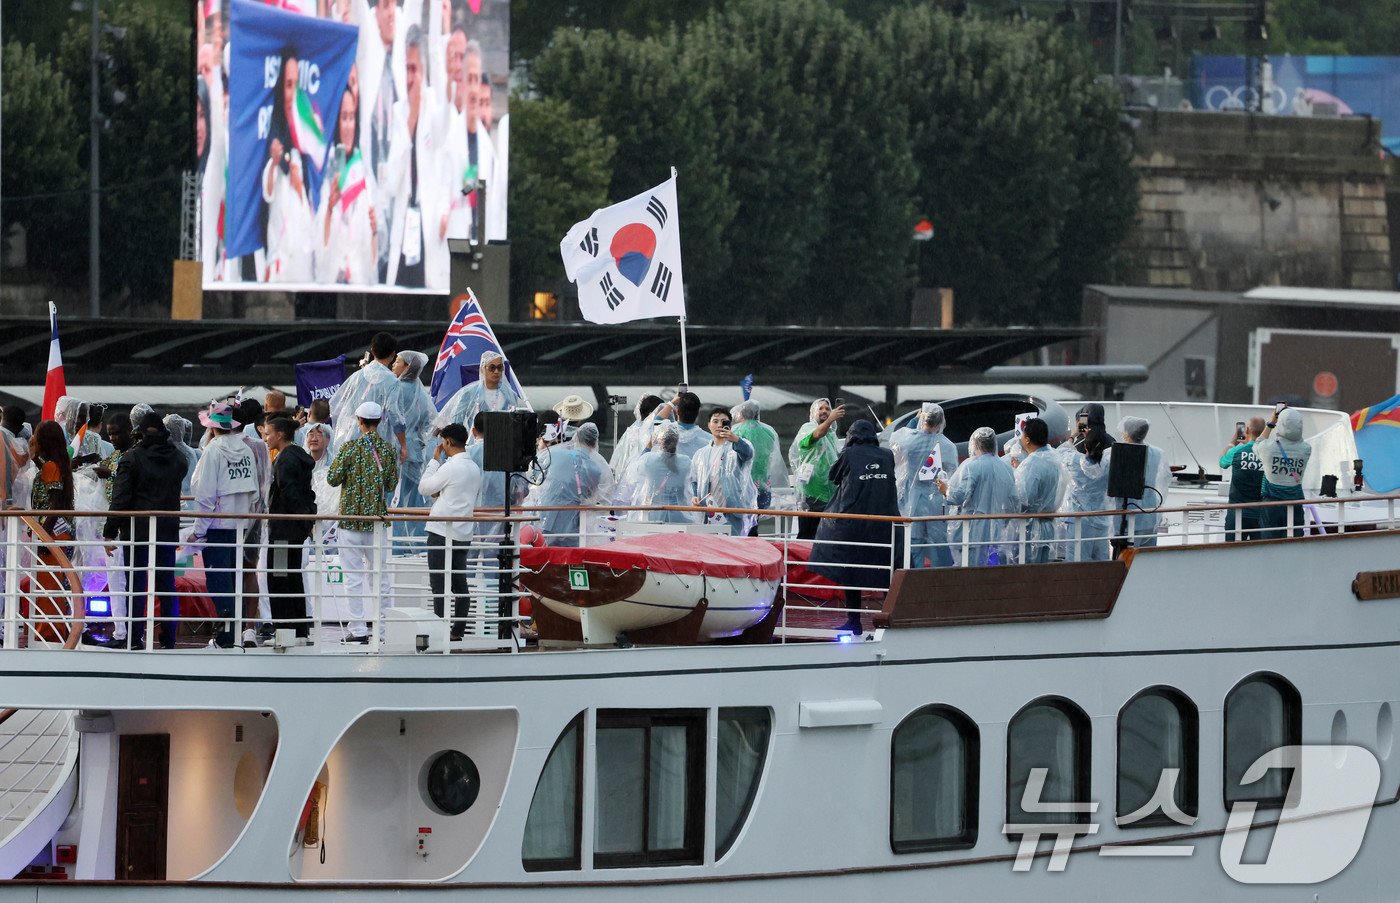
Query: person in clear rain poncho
x=575, y=475
x=375, y=382
x=659, y=477
x=635, y=438
x=180, y=429
x=721, y=474
x=138, y=413
x=71, y=414
x=491, y=392
x=1086, y=471
x=1142, y=528
x=984, y=484
x=1037, y=489
x=416, y=412
x=769, y=468
x=922, y=455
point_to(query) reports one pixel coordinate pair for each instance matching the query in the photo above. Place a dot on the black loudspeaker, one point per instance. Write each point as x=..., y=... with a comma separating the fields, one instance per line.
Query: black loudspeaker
x=1127, y=469
x=510, y=440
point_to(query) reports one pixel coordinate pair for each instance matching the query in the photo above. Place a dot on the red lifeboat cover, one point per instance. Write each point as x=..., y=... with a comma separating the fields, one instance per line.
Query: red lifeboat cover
x=670, y=553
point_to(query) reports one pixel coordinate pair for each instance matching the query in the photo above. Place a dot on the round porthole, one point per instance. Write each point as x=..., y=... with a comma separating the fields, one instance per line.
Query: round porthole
x=451, y=782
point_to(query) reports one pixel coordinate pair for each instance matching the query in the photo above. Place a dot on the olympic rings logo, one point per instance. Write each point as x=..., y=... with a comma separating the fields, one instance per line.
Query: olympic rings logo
x=1246, y=97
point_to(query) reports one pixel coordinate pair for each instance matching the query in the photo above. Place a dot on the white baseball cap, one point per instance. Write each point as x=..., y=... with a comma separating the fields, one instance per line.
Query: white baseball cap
x=369, y=410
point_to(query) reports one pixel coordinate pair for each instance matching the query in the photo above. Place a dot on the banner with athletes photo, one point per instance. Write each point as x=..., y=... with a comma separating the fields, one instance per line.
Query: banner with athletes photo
x=341, y=143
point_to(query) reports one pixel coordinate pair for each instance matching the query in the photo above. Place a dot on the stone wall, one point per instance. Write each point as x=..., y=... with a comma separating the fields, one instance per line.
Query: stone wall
x=1231, y=201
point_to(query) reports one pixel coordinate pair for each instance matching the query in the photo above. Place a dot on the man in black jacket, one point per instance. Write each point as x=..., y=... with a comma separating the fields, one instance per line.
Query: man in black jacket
x=148, y=479
x=291, y=494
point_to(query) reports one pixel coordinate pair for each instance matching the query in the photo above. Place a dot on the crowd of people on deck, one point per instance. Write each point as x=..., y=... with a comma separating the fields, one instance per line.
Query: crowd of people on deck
x=380, y=443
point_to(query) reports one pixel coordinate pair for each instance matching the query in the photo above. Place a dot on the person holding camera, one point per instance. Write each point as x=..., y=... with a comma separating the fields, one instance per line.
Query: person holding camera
x=1086, y=471
x=811, y=457
x=1246, y=479
x=1284, y=455
x=454, y=482
x=721, y=474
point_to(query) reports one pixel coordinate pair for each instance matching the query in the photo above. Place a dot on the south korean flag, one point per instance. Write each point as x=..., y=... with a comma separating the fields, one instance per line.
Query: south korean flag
x=626, y=259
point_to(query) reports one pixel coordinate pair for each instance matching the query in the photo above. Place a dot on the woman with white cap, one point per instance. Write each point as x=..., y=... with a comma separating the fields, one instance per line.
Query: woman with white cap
x=490, y=392
x=225, y=482
x=575, y=475
x=920, y=454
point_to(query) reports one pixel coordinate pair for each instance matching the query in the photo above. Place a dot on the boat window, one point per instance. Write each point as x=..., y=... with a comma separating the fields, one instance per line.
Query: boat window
x=1157, y=736
x=933, y=781
x=1262, y=713
x=650, y=788
x=742, y=749
x=555, y=822
x=451, y=782
x=1050, y=733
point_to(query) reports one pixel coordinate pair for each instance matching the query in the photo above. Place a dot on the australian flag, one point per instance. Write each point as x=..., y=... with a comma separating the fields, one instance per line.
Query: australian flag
x=459, y=359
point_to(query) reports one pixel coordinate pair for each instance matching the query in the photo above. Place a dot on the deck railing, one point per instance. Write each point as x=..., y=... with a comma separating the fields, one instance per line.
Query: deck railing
x=381, y=589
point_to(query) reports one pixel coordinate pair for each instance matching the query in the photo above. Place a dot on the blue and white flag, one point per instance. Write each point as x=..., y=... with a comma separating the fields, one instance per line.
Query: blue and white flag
x=261, y=41
x=626, y=259
x=459, y=358
x=319, y=379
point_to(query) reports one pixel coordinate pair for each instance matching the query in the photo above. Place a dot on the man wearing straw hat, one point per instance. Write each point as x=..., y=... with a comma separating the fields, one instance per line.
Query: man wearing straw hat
x=572, y=411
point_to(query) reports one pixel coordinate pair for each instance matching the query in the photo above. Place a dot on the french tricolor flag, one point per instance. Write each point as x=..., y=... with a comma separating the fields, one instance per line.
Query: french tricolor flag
x=54, y=385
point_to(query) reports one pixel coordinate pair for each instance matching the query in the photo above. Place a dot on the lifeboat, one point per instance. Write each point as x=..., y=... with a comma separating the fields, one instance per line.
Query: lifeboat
x=645, y=582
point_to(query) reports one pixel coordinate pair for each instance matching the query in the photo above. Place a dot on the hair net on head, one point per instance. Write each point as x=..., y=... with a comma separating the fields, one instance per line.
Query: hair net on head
x=667, y=437
x=745, y=410
x=1135, y=428
x=984, y=440
x=812, y=411
x=931, y=415
x=415, y=360
x=139, y=411
x=587, y=435
x=179, y=429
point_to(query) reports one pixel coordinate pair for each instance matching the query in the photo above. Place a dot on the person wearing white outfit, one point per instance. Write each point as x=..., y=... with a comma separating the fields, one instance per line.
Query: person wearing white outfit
x=346, y=219
x=454, y=481
x=418, y=230
x=283, y=182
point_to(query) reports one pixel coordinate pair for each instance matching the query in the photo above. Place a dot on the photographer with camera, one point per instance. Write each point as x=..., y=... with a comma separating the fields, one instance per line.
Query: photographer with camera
x=1284, y=456
x=1086, y=469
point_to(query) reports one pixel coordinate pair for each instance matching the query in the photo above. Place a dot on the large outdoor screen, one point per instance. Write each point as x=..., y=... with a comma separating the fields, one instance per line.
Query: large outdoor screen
x=341, y=143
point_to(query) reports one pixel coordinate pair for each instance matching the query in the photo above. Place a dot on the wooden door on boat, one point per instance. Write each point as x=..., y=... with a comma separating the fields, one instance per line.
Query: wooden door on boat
x=143, y=792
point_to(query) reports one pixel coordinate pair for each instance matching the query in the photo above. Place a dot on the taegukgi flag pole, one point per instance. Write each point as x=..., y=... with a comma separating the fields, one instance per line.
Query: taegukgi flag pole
x=626, y=261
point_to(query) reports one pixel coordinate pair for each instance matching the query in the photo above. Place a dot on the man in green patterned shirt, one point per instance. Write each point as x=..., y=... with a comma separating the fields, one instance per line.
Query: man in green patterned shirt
x=366, y=469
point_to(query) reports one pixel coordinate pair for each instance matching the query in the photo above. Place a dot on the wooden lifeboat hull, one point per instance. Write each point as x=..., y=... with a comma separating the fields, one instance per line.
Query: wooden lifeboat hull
x=649, y=581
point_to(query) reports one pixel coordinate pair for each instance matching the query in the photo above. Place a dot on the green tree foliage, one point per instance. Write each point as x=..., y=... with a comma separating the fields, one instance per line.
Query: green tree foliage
x=815, y=143
x=533, y=22
x=146, y=139
x=1022, y=165
x=794, y=169
x=649, y=103
x=569, y=178
x=41, y=169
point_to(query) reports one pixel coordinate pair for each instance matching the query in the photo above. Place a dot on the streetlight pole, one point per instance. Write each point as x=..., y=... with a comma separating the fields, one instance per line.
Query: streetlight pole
x=1117, y=41
x=94, y=181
